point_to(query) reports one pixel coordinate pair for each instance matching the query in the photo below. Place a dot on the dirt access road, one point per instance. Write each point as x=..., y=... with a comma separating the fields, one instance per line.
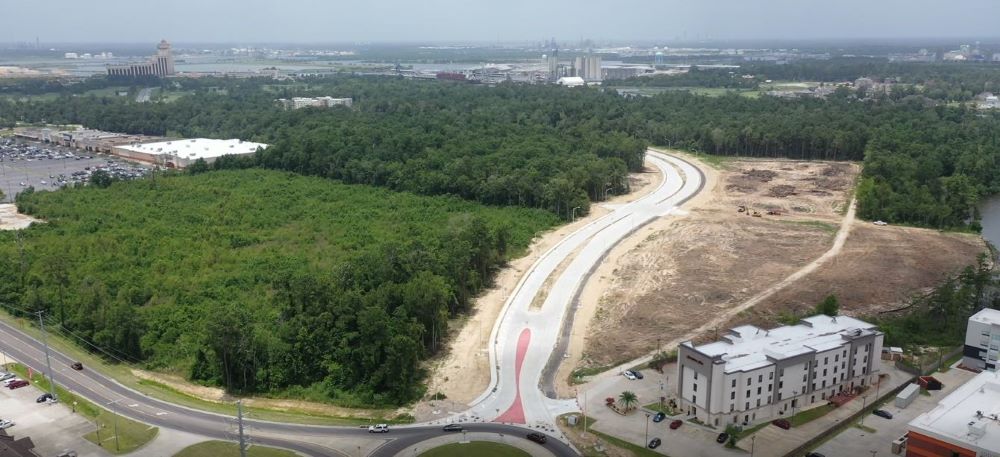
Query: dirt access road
x=690, y=277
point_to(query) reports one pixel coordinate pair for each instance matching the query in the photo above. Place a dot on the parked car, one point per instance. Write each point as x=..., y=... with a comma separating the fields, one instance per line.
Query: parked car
x=7, y=382
x=17, y=384
x=538, y=437
x=77, y=366
x=628, y=374
x=637, y=374
x=782, y=423
x=452, y=428
x=6, y=376
x=815, y=454
x=880, y=223
x=67, y=453
x=5, y=424
x=654, y=443
x=659, y=417
x=44, y=398
x=378, y=428
x=882, y=413
x=722, y=438
x=676, y=424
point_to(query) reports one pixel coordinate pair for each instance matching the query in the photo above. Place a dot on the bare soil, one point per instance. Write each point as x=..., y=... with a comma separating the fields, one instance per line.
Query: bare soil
x=682, y=272
x=10, y=219
x=879, y=269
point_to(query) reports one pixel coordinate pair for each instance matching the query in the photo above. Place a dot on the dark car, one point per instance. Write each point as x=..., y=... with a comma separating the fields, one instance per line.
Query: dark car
x=676, y=424
x=659, y=417
x=782, y=423
x=538, y=438
x=722, y=438
x=17, y=384
x=637, y=373
x=815, y=454
x=882, y=413
x=654, y=443
x=77, y=366
x=452, y=428
x=43, y=398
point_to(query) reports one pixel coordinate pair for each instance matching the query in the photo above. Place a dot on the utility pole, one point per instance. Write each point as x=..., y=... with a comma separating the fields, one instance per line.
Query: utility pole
x=48, y=363
x=239, y=420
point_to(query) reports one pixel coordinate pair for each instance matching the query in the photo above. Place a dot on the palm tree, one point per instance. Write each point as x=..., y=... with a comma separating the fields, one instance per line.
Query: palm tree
x=628, y=400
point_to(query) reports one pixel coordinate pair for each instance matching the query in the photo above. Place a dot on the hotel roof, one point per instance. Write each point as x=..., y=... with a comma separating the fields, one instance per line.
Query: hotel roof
x=987, y=316
x=748, y=347
x=969, y=416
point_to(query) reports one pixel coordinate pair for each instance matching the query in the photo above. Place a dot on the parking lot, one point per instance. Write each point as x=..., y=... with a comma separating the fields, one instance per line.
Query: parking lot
x=855, y=441
x=51, y=426
x=48, y=167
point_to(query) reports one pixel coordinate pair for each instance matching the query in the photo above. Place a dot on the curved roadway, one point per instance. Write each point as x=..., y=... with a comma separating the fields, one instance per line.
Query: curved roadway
x=525, y=340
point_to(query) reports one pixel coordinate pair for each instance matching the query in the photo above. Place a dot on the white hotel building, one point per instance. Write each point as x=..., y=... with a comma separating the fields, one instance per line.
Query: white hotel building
x=753, y=374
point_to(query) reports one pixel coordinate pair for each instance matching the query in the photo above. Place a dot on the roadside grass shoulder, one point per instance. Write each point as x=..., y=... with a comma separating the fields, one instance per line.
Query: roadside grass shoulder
x=810, y=415
x=225, y=449
x=131, y=435
x=123, y=374
x=476, y=448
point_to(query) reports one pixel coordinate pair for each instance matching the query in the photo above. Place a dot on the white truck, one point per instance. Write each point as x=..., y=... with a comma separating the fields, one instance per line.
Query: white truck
x=378, y=428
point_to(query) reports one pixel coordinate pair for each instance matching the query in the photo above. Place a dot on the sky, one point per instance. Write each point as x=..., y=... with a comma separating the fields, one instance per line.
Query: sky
x=330, y=21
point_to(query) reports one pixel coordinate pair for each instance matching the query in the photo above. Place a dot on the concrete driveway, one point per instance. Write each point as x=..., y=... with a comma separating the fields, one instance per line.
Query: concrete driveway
x=52, y=427
x=688, y=440
x=857, y=442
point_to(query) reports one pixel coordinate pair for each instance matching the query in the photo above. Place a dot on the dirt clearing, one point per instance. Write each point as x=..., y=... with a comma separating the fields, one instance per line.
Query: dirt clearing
x=756, y=223
x=10, y=219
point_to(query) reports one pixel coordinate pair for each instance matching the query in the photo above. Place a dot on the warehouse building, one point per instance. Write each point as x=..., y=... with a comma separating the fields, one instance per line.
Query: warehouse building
x=182, y=153
x=966, y=423
x=753, y=374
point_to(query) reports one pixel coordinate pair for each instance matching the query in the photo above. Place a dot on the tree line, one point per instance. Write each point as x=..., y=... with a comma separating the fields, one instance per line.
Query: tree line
x=262, y=281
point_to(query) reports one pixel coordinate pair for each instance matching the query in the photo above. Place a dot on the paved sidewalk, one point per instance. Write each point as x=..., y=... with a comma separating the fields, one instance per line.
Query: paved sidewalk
x=534, y=449
x=772, y=441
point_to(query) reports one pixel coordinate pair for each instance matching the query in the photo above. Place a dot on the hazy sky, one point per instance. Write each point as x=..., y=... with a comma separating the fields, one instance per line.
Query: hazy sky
x=246, y=21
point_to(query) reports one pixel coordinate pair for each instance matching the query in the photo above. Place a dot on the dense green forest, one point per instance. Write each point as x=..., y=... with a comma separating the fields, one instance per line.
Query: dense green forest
x=926, y=163
x=261, y=281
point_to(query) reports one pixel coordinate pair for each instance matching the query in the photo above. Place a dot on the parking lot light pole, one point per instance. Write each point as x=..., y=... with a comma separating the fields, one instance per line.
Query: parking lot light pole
x=753, y=440
x=647, y=430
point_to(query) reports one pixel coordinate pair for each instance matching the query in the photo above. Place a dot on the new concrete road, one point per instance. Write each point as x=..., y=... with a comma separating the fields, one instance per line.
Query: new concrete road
x=526, y=341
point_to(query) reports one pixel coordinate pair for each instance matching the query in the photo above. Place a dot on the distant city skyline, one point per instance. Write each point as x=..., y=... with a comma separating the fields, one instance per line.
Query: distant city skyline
x=318, y=21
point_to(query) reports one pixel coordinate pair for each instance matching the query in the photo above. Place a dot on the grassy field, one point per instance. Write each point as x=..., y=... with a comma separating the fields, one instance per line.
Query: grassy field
x=226, y=449
x=476, y=448
x=810, y=415
x=131, y=434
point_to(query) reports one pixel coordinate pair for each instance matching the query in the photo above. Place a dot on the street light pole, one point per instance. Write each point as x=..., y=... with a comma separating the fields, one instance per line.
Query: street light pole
x=753, y=440
x=864, y=402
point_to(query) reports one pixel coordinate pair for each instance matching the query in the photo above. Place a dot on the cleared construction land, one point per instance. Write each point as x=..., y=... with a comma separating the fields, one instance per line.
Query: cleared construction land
x=682, y=276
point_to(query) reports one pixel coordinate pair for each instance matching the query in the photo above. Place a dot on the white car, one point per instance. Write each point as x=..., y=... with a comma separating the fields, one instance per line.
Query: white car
x=7, y=382
x=378, y=428
x=880, y=223
x=6, y=424
x=628, y=374
x=6, y=376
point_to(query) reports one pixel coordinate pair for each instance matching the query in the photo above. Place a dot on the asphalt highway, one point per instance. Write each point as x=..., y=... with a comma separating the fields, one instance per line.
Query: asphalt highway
x=525, y=339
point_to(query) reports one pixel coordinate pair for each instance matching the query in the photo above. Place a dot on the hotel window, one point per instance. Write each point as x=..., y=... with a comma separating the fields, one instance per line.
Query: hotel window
x=694, y=399
x=769, y=387
x=696, y=376
x=770, y=375
x=732, y=395
x=758, y=391
x=694, y=387
x=760, y=378
x=734, y=383
x=758, y=403
x=748, y=381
